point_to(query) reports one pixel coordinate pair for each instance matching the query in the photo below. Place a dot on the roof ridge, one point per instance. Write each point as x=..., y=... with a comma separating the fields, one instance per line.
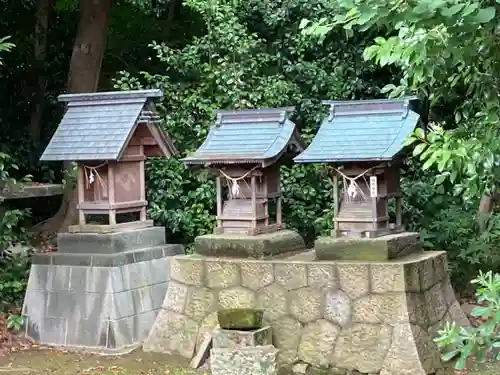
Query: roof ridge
x=367, y=107
x=246, y=116
x=111, y=95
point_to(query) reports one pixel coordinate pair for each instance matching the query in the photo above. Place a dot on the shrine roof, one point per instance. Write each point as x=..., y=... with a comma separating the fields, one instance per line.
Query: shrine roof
x=362, y=130
x=98, y=126
x=248, y=136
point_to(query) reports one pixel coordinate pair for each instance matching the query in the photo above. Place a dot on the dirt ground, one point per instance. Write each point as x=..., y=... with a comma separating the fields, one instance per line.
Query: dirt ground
x=56, y=362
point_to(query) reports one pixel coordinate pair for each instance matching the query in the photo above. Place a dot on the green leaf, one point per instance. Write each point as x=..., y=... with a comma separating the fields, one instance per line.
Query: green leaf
x=449, y=12
x=370, y=52
x=440, y=178
x=419, y=132
x=419, y=149
x=428, y=163
x=481, y=311
x=485, y=15
x=460, y=364
x=470, y=9
x=453, y=175
x=304, y=23
x=450, y=355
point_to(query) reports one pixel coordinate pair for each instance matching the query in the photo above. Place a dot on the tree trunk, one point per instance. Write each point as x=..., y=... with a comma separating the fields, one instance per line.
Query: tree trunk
x=486, y=205
x=44, y=8
x=84, y=72
x=88, y=50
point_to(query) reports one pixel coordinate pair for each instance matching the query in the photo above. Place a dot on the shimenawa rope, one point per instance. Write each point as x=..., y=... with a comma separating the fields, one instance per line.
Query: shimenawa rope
x=353, y=188
x=90, y=172
x=232, y=182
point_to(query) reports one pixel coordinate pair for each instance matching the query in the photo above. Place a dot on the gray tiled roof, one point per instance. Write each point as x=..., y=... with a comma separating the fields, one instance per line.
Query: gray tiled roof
x=362, y=130
x=97, y=126
x=247, y=136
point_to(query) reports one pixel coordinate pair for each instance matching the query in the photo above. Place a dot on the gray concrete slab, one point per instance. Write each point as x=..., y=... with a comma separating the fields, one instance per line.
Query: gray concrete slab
x=100, y=308
x=109, y=243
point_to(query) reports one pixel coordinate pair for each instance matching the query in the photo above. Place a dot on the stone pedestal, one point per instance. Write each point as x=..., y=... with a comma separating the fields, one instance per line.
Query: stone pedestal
x=387, y=247
x=246, y=246
x=257, y=360
x=100, y=292
x=230, y=339
x=370, y=317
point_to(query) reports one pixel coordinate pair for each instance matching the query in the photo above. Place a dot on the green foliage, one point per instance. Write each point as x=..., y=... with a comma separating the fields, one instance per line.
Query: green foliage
x=5, y=46
x=480, y=341
x=14, y=268
x=250, y=56
x=181, y=200
x=10, y=230
x=14, y=278
x=447, y=52
x=446, y=222
x=15, y=322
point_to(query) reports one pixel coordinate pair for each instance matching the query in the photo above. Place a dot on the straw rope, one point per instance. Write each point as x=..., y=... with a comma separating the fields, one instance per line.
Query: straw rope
x=232, y=182
x=92, y=175
x=352, y=190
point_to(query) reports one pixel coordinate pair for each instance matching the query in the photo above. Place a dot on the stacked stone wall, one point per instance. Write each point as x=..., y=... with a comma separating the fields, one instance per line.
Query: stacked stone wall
x=369, y=317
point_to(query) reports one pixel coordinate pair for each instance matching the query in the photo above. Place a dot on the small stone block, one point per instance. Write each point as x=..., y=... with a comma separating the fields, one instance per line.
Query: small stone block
x=258, y=360
x=247, y=246
x=232, y=339
x=369, y=249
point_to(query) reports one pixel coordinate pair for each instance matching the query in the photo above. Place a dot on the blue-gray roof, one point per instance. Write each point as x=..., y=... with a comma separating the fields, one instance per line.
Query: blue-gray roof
x=98, y=126
x=248, y=136
x=362, y=130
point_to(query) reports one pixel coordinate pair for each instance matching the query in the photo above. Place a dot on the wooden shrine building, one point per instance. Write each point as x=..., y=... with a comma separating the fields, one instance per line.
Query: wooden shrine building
x=109, y=135
x=245, y=149
x=363, y=140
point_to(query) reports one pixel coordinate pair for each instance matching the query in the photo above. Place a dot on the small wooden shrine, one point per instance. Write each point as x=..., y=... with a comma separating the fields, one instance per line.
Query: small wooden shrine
x=110, y=135
x=363, y=140
x=245, y=150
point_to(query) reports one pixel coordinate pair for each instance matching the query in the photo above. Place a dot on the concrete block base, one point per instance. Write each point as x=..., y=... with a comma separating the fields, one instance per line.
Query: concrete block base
x=104, y=303
x=247, y=246
x=368, y=249
x=114, y=242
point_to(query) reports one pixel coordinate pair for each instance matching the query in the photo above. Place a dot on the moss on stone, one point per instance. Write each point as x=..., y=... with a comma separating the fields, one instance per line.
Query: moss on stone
x=367, y=249
x=240, y=319
x=246, y=246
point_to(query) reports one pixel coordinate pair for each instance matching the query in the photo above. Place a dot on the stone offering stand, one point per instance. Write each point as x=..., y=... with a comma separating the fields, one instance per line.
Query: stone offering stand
x=372, y=317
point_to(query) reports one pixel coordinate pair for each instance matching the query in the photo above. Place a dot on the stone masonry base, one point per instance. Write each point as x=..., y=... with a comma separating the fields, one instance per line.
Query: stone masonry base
x=370, y=317
x=104, y=302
